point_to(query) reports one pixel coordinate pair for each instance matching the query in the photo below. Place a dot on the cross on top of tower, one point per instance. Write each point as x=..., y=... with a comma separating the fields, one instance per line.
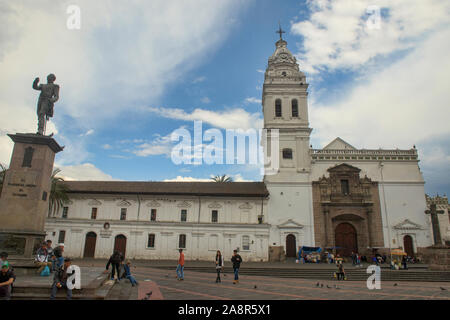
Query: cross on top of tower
x=280, y=31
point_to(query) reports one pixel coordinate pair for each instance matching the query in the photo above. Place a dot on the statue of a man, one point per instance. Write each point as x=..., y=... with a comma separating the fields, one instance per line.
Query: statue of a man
x=49, y=95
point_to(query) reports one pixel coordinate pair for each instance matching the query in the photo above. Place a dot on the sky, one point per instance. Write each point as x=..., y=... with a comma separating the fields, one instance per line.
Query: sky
x=135, y=71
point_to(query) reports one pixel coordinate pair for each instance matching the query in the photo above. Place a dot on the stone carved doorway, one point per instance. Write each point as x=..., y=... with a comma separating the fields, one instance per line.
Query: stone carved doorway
x=346, y=239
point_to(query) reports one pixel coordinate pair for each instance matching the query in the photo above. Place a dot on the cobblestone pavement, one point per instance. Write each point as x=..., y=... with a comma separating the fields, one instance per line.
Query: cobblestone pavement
x=202, y=286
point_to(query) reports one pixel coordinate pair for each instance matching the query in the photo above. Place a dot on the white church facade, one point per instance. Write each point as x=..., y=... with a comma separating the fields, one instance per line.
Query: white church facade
x=336, y=197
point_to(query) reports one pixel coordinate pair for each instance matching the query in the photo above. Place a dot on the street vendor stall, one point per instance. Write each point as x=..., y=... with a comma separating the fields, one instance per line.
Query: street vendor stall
x=309, y=254
x=397, y=255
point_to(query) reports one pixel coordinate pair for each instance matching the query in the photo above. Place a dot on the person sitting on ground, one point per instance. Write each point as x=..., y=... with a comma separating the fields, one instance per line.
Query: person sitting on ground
x=60, y=280
x=41, y=259
x=51, y=256
x=7, y=278
x=127, y=273
x=115, y=260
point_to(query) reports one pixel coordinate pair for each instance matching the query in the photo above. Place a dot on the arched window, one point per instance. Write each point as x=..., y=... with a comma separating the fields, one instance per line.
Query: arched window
x=294, y=108
x=278, y=108
x=287, y=153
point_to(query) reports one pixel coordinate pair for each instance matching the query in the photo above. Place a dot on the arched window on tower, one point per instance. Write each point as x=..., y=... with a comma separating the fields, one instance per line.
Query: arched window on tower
x=278, y=108
x=294, y=108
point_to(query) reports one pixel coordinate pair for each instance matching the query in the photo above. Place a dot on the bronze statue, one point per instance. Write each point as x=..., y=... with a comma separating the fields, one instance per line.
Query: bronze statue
x=49, y=95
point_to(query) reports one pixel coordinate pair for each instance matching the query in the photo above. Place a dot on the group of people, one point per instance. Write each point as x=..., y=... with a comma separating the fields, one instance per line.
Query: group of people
x=116, y=261
x=46, y=256
x=236, y=260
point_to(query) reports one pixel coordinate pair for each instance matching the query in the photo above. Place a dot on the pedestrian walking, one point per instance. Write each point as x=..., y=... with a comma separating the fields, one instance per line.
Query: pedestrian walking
x=341, y=271
x=115, y=260
x=219, y=265
x=180, y=267
x=7, y=278
x=127, y=273
x=60, y=280
x=236, y=260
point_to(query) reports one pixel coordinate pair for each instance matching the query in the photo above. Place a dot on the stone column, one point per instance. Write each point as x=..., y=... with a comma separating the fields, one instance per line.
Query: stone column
x=24, y=201
x=368, y=224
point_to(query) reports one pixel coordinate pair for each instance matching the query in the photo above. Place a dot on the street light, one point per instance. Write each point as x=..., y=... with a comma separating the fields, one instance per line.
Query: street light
x=381, y=165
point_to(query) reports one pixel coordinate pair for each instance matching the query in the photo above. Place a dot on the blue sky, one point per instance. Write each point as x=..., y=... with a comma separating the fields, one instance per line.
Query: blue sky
x=134, y=73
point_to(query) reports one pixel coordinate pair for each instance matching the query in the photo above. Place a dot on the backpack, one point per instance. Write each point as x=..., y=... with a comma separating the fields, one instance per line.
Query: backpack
x=45, y=272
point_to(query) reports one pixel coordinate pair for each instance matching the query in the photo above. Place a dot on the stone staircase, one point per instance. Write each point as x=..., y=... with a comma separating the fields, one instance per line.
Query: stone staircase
x=417, y=274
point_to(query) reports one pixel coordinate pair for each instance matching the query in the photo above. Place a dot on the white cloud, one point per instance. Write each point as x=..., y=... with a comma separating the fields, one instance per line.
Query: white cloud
x=187, y=179
x=162, y=145
x=402, y=105
x=199, y=79
x=85, y=171
x=253, y=100
x=107, y=146
x=205, y=100
x=336, y=34
x=124, y=53
x=227, y=119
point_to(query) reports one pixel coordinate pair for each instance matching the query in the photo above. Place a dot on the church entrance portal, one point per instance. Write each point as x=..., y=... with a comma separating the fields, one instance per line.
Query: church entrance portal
x=408, y=245
x=346, y=239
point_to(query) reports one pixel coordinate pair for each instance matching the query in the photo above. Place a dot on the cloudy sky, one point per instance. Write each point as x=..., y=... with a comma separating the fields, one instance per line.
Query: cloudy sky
x=137, y=70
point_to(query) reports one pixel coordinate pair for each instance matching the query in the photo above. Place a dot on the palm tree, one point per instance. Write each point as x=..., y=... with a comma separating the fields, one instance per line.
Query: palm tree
x=2, y=176
x=223, y=178
x=58, y=194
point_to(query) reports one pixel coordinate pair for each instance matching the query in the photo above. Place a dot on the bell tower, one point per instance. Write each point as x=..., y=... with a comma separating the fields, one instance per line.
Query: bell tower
x=285, y=108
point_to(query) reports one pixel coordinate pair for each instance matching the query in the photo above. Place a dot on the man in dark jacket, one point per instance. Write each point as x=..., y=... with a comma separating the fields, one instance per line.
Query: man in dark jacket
x=7, y=278
x=236, y=260
x=115, y=259
x=60, y=280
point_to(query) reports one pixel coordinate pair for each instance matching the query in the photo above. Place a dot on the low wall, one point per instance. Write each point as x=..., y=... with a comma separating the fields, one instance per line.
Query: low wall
x=437, y=257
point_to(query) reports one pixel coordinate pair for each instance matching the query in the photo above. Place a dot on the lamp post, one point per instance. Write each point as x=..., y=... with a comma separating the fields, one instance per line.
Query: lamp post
x=381, y=164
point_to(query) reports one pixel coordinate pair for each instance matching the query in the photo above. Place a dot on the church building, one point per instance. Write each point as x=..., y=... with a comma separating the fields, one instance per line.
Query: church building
x=337, y=197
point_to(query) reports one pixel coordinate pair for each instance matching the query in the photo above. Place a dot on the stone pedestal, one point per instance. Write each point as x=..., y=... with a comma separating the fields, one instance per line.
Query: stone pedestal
x=25, y=195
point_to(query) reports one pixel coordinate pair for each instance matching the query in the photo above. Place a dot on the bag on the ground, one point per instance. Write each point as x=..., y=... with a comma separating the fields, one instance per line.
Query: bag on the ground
x=45, y=272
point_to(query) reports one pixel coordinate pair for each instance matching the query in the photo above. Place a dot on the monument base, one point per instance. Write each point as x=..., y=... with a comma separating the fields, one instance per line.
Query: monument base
x=20, y=247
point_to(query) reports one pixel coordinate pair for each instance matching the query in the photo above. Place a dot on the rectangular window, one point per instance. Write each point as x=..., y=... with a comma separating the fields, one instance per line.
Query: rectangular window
x=94, y=213
x=151, y=241
x=214, y=216
x=153, y=215
x=245, y=243
x=123, y=214
x=62, y=236
x=65, y=212
x=183, y=215
x=182, y=241
x=345, y=187
x=287, y=153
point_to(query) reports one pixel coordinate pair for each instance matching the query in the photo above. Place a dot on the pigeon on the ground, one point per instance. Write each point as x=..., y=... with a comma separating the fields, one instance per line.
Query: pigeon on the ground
x=255, y=287
x=321, y=285
x=443, y=288
x=328, y=287
x=318, y=284
x=395, y=284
